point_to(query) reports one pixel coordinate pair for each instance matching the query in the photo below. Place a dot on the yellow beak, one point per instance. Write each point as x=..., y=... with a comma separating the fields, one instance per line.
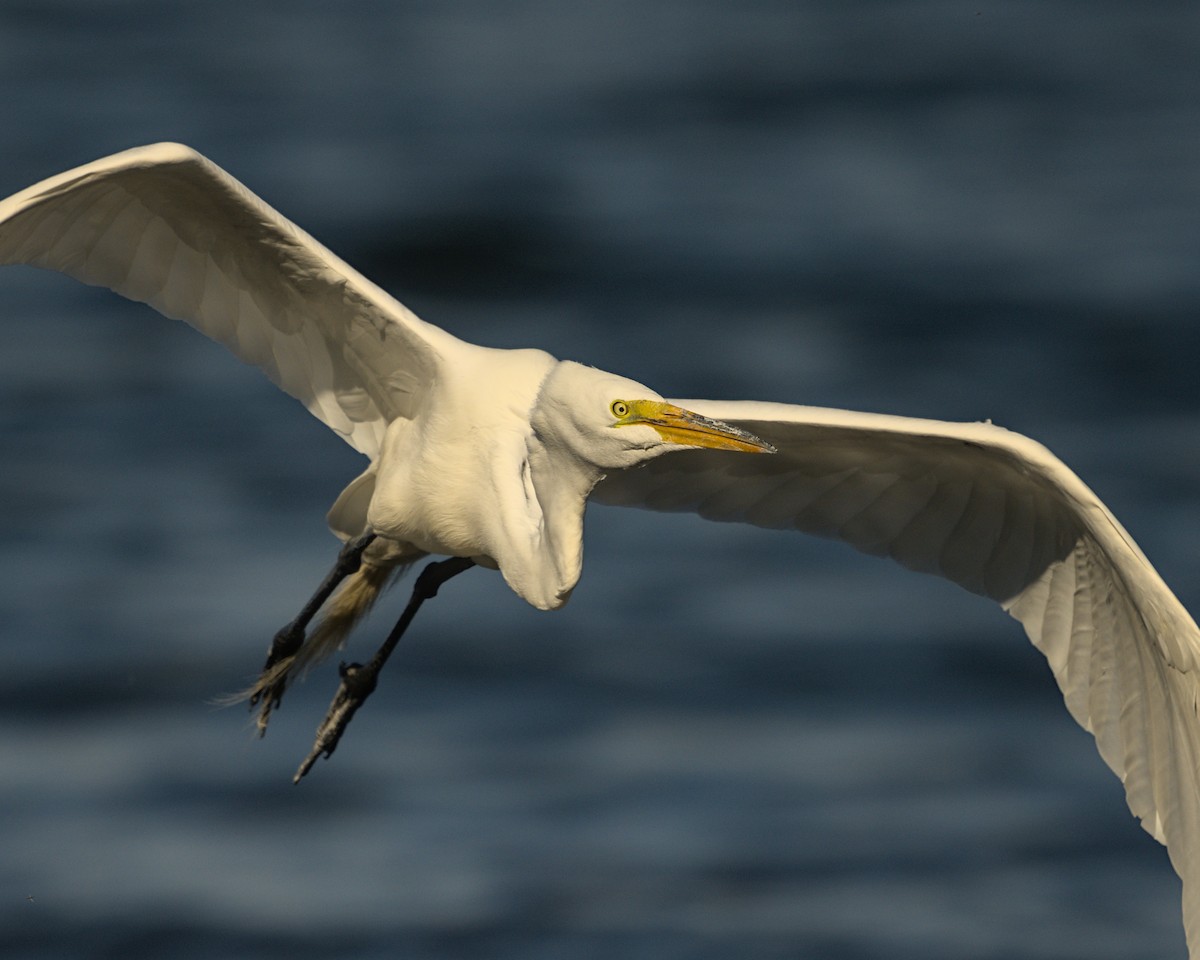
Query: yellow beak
x=676, y=425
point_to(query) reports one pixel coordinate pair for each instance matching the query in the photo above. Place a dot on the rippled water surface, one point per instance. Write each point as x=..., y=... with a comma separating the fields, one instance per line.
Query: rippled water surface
x=732, y=743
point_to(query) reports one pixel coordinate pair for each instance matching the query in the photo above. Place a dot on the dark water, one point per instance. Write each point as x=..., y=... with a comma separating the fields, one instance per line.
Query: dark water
x=940, y=209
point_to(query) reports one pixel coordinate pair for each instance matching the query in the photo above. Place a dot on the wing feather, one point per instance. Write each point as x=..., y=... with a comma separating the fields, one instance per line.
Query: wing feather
x=998, y=514
x=163, y=225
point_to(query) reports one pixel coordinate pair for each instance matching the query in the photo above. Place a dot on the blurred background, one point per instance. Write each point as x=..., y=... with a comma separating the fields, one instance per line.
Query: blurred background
x=942, y=209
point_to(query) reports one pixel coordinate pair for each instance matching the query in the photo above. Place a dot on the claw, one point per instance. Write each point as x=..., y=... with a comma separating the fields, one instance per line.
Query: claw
x=358, y=683
x=268, y=690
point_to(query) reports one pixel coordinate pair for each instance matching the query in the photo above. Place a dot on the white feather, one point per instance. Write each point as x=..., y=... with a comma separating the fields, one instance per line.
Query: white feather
x=163, y=225
x=492, y=454
x=998, y=514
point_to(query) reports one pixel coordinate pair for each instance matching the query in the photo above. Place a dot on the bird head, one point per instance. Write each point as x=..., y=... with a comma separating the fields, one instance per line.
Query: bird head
x=612, y=422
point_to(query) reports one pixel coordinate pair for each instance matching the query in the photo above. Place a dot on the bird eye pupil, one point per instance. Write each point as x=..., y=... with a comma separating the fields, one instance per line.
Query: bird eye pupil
x=620, y=408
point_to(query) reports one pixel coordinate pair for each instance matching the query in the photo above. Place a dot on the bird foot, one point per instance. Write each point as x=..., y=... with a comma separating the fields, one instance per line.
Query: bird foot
x=358, y=683
x=268, y=690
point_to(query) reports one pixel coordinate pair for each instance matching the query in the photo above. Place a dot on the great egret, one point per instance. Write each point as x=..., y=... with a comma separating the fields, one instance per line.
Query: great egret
x=489, y=457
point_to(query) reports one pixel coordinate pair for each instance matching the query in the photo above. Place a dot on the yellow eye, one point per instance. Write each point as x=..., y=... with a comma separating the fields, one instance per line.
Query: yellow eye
x=620, y=409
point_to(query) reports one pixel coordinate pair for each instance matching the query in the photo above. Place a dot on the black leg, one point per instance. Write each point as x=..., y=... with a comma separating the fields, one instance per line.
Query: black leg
x=358, y=681
x=291, y=638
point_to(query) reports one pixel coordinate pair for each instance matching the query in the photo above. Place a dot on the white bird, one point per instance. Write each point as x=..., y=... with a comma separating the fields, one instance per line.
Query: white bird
x=490, y=456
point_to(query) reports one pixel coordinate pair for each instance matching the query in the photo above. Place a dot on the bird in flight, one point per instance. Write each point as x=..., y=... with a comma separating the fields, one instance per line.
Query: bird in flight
x=488, y=457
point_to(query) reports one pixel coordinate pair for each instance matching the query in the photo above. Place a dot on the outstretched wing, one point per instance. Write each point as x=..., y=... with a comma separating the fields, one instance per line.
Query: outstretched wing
x=163, y=225
x=998, y=514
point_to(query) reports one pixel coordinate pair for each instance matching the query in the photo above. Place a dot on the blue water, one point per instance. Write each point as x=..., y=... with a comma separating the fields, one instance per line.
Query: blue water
x=930, y=208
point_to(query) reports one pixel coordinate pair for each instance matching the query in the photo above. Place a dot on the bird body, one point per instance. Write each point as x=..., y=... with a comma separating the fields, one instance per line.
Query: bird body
x=491, y=456
x=449, y=478
x=465, y=476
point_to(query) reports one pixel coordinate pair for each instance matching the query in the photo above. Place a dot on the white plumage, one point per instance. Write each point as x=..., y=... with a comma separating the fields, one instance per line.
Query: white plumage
x=491, y=455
